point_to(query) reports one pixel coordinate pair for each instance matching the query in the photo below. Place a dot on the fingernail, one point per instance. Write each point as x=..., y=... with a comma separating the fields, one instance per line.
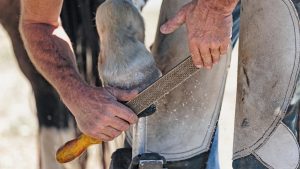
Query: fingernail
x=199, y=66
x=163, y=28
x=135, y=92
x=136, y=119
x=208, y=67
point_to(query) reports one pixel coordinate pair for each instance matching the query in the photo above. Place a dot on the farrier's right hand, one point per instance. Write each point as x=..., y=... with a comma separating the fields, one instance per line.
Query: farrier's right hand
x=99, y=114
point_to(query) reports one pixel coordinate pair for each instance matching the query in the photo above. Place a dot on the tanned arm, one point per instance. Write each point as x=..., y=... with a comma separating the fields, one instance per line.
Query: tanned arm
x=208, y=25
x=96, y=110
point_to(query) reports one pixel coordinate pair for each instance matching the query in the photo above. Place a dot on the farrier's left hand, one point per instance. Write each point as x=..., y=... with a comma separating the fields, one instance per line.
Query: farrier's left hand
x=209, y=32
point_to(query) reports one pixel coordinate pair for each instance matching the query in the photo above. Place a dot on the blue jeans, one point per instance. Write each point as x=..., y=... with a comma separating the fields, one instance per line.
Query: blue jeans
x=213, y=159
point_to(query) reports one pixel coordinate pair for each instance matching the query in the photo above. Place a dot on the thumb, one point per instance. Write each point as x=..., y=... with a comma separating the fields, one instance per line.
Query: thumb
x=174, y=23
x=122, y=95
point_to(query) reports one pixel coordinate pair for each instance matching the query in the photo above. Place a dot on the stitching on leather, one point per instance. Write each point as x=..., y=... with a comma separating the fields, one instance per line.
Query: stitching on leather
x=295, y=140
x=246, y=151
x=262, y=161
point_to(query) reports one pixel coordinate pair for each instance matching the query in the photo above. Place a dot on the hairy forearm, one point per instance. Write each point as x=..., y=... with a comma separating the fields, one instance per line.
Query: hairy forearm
x=50, y=51
x=221, y=6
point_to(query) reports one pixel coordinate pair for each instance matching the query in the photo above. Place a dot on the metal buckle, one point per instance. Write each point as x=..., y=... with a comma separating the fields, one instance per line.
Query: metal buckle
x=148, y=161
x=151, y=164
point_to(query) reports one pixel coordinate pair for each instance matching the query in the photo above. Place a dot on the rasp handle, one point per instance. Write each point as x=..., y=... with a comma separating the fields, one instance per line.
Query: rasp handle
x=74, y=148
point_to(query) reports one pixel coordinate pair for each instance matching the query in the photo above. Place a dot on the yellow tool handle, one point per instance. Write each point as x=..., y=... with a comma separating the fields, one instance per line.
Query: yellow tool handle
x=72, y=149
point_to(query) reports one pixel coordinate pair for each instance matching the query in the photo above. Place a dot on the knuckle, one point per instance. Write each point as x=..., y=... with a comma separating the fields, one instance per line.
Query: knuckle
x=194, y=55
x=206, y=57
x=214, y=45
x=88, y=129
x=193, y=40
x=116, y=134
x=204, y=44
x=119, y=133
x=132, y=117
x=205, y=53
x=215, y=54
x=106, y=139
x=197, y=61
x=217, y=58
x=101, y=127
x=125, y=127
x=196, y=58
x=207, y=61
x=223, y=52
x=225, y=43
x=109, y=108
x=93, y=134
x=207, y=64
x=110, y=138
x=105, y=119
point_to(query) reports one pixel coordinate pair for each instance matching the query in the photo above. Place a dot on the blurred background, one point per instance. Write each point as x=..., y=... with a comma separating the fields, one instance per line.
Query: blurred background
x=18, y=123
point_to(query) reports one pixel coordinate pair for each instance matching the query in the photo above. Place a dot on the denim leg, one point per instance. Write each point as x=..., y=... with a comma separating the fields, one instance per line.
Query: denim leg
x=236, y=24
x=213, y=158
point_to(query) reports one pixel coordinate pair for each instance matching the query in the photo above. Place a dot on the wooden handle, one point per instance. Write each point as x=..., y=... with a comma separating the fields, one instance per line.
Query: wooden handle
x=72, y=149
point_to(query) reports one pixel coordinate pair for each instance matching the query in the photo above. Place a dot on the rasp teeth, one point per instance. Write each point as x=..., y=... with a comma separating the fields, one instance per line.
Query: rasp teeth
x=163, y=85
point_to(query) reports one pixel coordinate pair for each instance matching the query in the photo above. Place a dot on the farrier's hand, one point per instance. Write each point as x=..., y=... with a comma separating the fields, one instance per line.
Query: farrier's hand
x=99, y=114
x=209, y=32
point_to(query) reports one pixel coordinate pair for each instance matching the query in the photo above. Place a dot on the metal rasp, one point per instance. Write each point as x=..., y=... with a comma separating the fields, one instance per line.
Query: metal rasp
x=145, y=99
x=163, y=86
